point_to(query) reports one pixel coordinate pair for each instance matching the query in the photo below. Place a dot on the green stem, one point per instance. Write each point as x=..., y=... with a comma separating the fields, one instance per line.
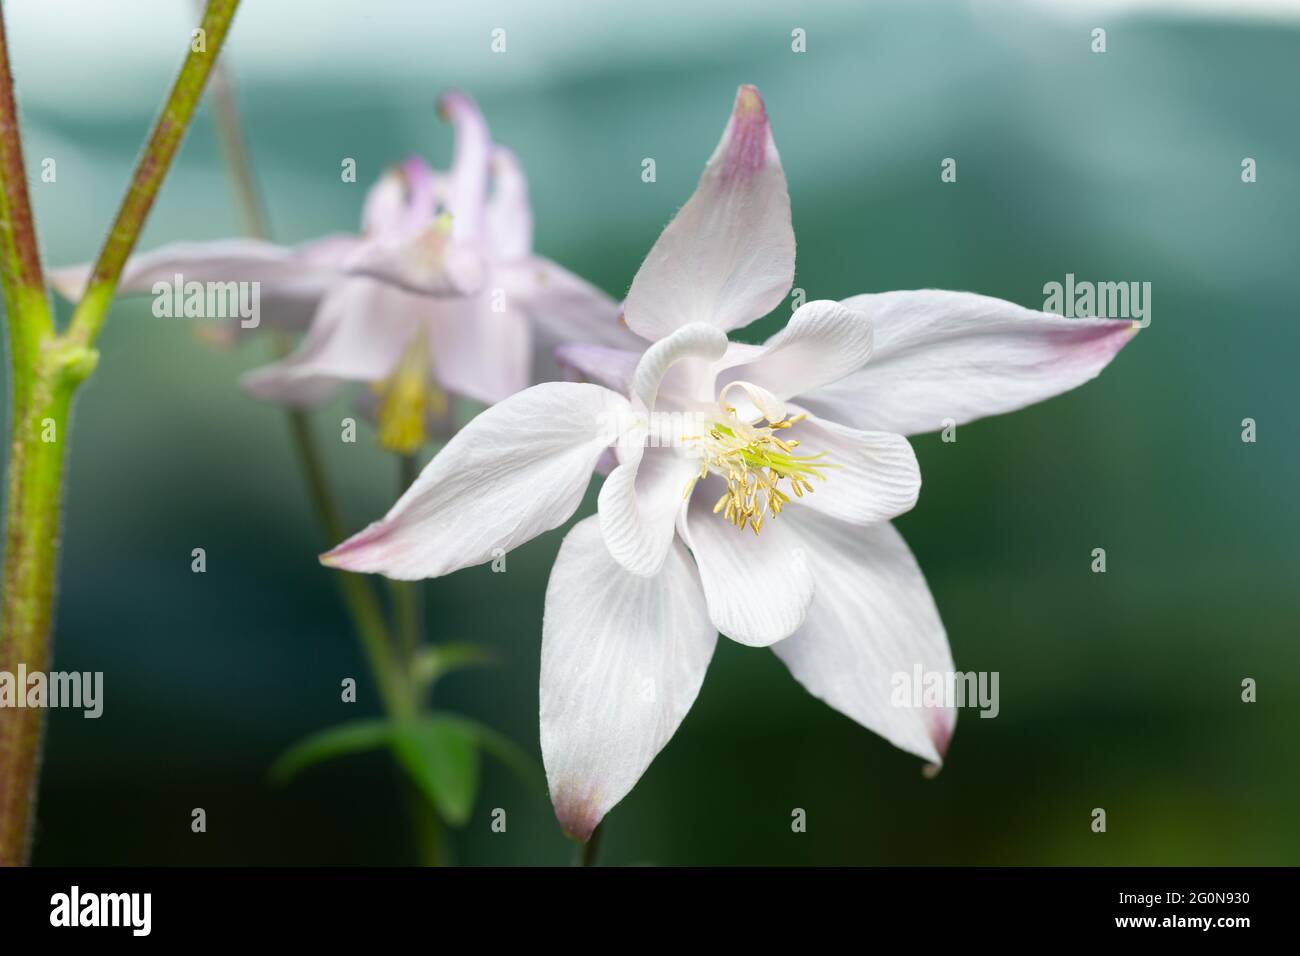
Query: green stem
x=46, y=369
x=408, y=596
x=428, y=833
x=395, y=688
x=358, y=596
x=168, y=130
x=589, y=850
x=230, y=133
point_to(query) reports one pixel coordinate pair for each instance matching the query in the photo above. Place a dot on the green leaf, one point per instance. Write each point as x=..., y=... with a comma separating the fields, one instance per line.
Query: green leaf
x=433, y=663
x=507, y=751
x=441, y=755
x=349, y=738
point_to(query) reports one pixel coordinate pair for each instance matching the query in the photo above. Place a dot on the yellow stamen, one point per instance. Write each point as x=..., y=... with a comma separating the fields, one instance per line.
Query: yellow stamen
x=406, y=400
x=753, y=462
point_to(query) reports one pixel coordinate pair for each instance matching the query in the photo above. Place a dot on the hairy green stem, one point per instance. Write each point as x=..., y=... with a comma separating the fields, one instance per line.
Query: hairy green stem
x=168, y=130
x=46, y=370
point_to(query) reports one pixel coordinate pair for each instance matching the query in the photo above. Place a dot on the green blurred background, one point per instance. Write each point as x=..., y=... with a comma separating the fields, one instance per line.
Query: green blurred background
x=1119, y=690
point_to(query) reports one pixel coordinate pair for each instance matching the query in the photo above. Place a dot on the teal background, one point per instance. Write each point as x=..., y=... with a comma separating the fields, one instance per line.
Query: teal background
x=1119, y=690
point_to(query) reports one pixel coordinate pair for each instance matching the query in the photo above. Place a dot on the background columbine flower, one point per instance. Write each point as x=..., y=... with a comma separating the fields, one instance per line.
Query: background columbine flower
x=441, y=293
x=717, y=440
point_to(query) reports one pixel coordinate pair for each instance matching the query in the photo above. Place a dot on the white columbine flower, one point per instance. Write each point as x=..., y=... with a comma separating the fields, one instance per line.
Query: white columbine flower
x=440, y=293
x=753, y=487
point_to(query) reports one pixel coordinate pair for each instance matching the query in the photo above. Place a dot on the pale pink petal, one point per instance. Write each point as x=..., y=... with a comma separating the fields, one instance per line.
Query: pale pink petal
x=426, y=262
x=822, y=342
x=422, y=190
x=384, y=211
x=871, y=624
x=509, y=214
x=606, y=366
x=623, y=658
x=563, y=306
x=514, y=471
x=956, y=357
x=727, y=258
x=358, y=335
x=467, y=182
x=478, y=351
x=758, y=586
x=220, y=260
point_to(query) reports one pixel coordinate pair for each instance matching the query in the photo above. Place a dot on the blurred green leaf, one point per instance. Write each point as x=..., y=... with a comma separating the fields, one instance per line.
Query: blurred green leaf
x=354, y=737
x=441, y=755
x=433, y=663
x=507, y=751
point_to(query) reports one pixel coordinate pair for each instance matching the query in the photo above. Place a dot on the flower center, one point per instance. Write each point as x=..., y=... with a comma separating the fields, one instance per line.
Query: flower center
x=755, y=460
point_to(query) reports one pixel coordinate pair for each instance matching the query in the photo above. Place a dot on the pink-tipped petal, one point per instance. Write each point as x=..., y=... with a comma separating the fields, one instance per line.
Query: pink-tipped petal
x=514, y=471
x=467, y=182
x=623, y=658
x=959, y=356
x=872, y=625
x=727, y=258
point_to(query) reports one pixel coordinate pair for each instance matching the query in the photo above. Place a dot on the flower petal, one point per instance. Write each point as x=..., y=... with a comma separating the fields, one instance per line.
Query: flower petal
x=358, y=335
x=516, y=470
x=562, y=306
x=873, y=476
x=822, y=342
x=959, y=356
x=424, y=262
x=639, y=503
x=478, y=351
x=606, y=366
x=623, y=658
x=403, y=201
x=758, y=586
x=384, y=211
x=509, y=214
x=467, y=182
x=682, y=361
x=727, y=258
x=873, y=618
x=293, y=278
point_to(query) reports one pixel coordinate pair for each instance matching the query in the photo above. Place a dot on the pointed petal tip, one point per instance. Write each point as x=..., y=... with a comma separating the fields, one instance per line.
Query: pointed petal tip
x=749, y=102
x=454, y=104
x=942, y=725
x=747, y=138
x=353, y=554
x=578, y=818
